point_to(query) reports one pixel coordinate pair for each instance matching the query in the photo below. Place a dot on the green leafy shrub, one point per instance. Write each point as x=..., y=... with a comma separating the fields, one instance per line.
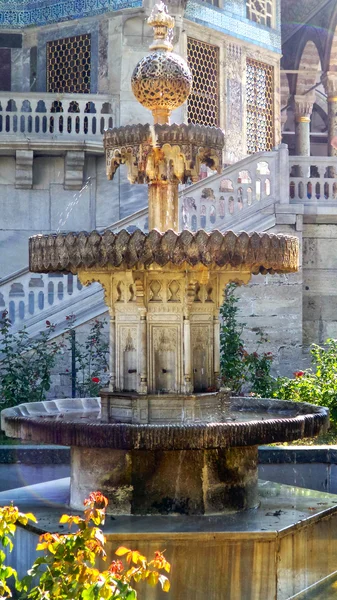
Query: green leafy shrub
x=9, y=517
x=25, y=363
x=68, y=568
x=237, y=366
x=317, y=385
x=91, y=358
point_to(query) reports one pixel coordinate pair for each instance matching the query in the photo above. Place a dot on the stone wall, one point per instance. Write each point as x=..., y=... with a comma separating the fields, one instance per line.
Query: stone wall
x=47, y=206
x=319, y=282
x=273, y=303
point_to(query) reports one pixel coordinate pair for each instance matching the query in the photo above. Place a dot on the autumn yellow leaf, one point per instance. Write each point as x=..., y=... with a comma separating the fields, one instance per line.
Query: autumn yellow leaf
x=122, y=550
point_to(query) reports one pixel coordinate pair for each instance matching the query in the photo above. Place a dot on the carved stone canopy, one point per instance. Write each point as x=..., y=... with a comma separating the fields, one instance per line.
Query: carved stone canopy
x=257, y=253
x=159, y=153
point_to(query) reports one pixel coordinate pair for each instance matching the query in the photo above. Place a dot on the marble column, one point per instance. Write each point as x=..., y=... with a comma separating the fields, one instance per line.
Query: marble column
x=143, y=353
x=112, y=357
x=330, y=84
x=187, y=357
x=303, y=110
x=216, y=349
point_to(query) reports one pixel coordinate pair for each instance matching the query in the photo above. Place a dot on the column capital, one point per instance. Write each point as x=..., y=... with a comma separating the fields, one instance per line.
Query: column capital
x=329, y=81
x=303, y=107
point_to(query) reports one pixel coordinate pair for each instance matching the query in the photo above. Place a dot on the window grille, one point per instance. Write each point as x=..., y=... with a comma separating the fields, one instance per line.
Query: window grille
x=260, y=106
x=203, y=102
x=68, y=65
x=213, y=2
x=261, y=11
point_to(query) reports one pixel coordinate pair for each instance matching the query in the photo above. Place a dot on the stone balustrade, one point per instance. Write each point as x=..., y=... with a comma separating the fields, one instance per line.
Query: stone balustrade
x=218, y=201
x=27, y=297
x=138, y=220
x=24, y=295
x=313, y=179
x=65, y=116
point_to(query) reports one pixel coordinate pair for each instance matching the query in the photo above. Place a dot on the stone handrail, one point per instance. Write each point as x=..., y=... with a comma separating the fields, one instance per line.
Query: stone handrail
x=255, y=181
x=137, y=220
x=16, y=289
x=218, y=201
x=24, y=295
x=313, y=179
x=48, y=115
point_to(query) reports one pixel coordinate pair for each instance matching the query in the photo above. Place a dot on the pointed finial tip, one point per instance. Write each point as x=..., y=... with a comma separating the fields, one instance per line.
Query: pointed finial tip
x=162, y=24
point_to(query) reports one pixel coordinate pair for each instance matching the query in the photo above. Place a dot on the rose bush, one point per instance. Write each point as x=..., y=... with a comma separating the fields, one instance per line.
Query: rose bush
x=317, y=385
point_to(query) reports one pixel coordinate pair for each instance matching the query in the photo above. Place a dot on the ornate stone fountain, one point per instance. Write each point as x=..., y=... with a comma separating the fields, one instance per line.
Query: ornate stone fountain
x=164, y=441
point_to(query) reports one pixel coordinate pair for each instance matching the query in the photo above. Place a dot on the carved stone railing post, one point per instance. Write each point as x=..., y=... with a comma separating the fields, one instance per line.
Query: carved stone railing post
x=303, y=110
x=45, y=115
x=281, y=173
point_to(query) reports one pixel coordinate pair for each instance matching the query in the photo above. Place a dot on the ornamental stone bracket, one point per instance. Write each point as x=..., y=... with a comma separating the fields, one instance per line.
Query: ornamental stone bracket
x=73, y=170
x=24, y=169
x=303, y=107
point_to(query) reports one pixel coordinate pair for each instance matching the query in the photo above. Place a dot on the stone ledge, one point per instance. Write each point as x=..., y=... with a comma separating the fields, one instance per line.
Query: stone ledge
x=257, y=253
x=48, y=422
x=34, y=455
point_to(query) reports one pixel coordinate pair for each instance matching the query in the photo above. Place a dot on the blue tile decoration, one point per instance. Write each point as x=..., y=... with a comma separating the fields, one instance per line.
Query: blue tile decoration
x=232, y=20
x=15, y=14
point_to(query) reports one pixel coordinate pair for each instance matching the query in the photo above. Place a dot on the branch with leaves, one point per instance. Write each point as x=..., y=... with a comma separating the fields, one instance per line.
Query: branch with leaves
x=68, y=568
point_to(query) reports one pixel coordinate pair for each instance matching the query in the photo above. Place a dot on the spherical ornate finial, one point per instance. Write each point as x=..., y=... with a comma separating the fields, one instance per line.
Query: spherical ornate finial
x=162, y=80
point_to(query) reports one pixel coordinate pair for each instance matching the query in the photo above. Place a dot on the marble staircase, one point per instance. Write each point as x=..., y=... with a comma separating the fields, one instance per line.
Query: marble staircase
x=252, y=194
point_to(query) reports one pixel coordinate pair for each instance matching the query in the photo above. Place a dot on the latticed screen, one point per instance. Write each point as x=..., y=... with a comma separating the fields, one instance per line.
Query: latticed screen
x=260, y=11
x=68, y=64
x=260, y=112
x=203, y=102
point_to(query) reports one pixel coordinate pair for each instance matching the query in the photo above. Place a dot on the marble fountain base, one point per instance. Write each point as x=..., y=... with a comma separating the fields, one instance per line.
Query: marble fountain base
x=283, y=543
x=275, y=552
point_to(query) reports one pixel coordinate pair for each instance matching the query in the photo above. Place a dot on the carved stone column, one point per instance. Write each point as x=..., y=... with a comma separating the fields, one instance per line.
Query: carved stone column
x=330, y=84
x=187, y=357
x=303, y=110
x=143, y=353
x=112, y=356
x=142, y=337
x=216, y=349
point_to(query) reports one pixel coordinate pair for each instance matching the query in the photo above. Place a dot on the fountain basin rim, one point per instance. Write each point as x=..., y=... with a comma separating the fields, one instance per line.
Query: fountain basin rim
x=125, y=135
x=219, y=251
x=189, y=436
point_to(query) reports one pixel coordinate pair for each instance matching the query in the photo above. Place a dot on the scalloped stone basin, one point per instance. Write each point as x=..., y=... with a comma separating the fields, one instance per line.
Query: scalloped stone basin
x=158, y=468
